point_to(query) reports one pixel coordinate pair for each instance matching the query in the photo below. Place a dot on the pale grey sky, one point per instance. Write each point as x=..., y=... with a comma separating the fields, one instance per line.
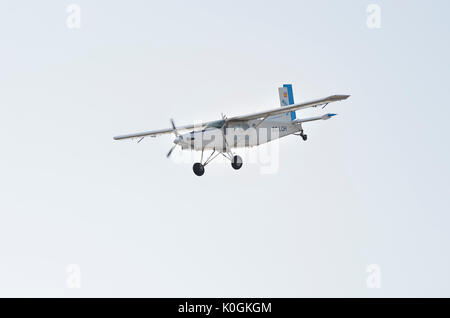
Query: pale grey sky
x=370, y=186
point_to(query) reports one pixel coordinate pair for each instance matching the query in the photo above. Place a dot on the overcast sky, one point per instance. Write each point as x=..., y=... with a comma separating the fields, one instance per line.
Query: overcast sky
x=370, y=186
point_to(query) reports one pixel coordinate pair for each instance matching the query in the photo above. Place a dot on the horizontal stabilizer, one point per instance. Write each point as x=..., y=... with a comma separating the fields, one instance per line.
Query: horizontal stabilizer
x=323, y=117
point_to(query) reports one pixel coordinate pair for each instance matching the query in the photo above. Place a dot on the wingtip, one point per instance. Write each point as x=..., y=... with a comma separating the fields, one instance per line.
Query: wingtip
x=338, y=97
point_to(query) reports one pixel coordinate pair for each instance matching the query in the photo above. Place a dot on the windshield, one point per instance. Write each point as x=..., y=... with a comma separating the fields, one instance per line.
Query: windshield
x=216, y=124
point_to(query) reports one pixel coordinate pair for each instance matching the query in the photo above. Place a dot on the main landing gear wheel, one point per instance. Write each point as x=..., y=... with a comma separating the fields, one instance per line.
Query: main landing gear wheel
x=199, y=169
x=236, y=163
x=305, y=137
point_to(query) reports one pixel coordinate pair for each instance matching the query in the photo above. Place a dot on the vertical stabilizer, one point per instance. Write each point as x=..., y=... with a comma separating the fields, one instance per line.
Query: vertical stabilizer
x=286, y=99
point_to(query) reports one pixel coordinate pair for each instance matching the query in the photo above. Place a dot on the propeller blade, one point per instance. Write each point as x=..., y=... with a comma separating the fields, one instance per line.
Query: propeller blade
x=174, y=128
x=170, y=151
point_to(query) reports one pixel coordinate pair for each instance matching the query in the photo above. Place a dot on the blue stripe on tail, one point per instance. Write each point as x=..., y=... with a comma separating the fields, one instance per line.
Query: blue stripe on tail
x=291, y=99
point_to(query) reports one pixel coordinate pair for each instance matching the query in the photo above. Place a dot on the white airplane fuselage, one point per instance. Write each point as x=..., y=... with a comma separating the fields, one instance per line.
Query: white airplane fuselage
x=244, y=134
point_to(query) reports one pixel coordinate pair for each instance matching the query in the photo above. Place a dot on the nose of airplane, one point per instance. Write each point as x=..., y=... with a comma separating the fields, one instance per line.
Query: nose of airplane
x=176, y=141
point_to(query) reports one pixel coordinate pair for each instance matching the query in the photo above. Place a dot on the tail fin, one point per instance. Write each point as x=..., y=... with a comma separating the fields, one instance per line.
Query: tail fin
x=287, y=98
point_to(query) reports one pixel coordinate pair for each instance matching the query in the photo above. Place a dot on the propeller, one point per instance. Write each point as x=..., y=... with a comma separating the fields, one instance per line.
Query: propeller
x=170, y=151
x=175, y=131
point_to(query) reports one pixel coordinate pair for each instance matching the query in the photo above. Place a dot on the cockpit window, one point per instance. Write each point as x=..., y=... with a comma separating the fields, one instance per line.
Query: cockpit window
x=242, y=125
x=216, y=124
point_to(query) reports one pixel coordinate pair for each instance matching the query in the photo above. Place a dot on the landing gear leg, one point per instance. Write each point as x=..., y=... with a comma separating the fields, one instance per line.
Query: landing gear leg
x=301, y=134
x=199, y=168
x=236, y=161
x=305, y=137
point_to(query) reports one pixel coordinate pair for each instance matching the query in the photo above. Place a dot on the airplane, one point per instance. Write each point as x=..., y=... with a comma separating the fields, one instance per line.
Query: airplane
x=221, y=136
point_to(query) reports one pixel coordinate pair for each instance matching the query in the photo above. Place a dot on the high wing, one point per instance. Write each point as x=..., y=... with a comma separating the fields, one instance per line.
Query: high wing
x=264, y=114
x=287, y=109
x=154, y=133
